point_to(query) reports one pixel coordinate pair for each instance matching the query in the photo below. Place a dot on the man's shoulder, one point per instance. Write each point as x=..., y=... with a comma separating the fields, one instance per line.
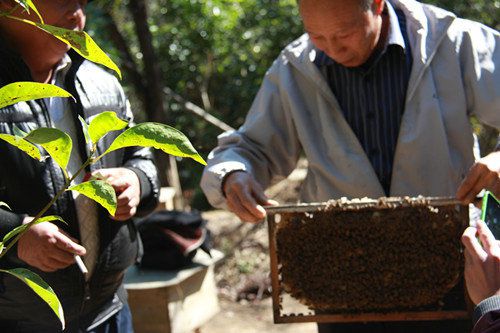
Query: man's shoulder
x=298, y=47
x=296, y=52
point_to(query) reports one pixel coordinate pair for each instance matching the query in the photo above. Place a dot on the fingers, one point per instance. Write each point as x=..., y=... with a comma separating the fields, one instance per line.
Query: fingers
x=472, y=244
x=47, y=248
x=65, y=244
x=128, y=189
x=235, y=205
x=485, y=174
x=127, y=203
x=490, y=244
x=470, y=182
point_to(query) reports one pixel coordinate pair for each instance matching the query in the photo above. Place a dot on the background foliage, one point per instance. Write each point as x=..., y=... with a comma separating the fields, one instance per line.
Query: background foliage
x=215, y=53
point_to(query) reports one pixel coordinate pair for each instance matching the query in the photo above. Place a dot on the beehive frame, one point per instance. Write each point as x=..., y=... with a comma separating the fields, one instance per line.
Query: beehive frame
x=280, y=316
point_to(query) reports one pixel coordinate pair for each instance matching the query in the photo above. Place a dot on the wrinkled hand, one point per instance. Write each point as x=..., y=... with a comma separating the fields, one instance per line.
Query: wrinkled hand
x=128, y=190
x=484, y=174
x=482, y=263
x=47, y=248
x=245, y=197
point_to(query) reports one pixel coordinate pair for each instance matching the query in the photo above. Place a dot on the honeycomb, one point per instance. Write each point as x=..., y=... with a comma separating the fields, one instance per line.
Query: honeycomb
x=371, y=259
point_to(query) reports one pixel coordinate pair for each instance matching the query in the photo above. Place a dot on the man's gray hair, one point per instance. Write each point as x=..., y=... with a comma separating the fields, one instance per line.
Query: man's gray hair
x=365, y=4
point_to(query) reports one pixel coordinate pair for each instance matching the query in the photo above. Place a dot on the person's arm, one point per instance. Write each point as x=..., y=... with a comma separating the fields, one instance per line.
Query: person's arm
x=266, y=147
x=482, y=276
x=9, y=221
x=480, y=58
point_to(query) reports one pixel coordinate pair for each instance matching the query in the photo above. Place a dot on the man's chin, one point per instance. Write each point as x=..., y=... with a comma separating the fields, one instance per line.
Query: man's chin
x=351, y=63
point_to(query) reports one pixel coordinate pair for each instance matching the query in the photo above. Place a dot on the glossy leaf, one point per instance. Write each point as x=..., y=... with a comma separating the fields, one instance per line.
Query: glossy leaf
x=14, y=232
x=27, y=5
x=41, y=288
x=23, y=145
x=57, y=143
x=25, y=91
x=104, y=123
x=80, y=41
x=99, y=191
x=158, y=136
x=85, y=129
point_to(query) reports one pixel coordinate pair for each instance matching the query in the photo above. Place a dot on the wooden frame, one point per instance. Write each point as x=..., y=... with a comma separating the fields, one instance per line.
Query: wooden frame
x=277, y=290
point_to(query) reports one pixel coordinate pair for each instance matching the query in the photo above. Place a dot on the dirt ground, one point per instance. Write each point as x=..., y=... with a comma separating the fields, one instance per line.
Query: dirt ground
x=250, y=318
x=243, y=279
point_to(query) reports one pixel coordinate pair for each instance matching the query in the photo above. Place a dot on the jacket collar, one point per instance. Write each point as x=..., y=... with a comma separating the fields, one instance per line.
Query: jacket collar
x=427, y=28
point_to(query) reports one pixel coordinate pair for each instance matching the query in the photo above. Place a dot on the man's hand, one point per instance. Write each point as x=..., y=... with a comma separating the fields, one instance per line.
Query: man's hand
x=482, y=263
x=245, y=197
x=128, y=190
x=47, y=248
x=484, y=174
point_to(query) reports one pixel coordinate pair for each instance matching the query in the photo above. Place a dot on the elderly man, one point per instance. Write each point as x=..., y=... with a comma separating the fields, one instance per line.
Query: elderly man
x=95, y=302
x=377, y=95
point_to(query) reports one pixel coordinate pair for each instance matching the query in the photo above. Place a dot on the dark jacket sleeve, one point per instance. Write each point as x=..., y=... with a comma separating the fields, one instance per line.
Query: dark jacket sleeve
x=487, y=316
x=9, y=221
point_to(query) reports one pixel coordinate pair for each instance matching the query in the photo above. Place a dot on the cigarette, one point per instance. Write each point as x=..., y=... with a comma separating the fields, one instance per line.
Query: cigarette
x=81, y=265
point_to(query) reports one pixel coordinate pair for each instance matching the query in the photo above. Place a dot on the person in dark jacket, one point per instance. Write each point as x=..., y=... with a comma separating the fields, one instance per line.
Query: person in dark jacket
x=482, y=276
x=95, y=302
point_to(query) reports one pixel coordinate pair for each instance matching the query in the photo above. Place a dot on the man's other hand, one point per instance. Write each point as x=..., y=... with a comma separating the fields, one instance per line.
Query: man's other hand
x=47, y=248
x=482, y=263
x=128, y=190
x=245, y=197
x=484, y=174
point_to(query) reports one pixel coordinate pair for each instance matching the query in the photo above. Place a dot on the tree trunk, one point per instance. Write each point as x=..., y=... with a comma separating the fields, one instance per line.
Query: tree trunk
x=154, y=106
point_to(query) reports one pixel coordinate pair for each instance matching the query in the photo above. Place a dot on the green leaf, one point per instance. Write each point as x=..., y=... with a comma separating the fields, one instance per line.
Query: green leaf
x=23, y=145
x=99, y=191
x=85, y=129
x=80, y=41
x=104, y=123
x=27, y=4
x=14, y=232
x=41, y=288
x=26, y=91
x=158, y=136
x=57, y=143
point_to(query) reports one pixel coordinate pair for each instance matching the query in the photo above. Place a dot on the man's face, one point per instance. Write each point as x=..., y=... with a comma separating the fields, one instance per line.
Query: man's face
x=342, y=29
x=68, y=14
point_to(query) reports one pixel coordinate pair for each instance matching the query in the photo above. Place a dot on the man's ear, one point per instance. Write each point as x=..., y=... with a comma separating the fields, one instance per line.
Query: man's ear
x=378, y=6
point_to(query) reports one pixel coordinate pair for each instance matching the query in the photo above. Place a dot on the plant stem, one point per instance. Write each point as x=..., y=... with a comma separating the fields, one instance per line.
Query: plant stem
x=46, y=208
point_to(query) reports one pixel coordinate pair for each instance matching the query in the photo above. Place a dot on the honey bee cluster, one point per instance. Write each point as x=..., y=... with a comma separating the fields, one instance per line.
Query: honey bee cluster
x=379, y=258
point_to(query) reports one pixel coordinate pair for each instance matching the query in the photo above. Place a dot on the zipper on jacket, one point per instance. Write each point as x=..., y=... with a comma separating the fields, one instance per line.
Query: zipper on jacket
x=86, y=295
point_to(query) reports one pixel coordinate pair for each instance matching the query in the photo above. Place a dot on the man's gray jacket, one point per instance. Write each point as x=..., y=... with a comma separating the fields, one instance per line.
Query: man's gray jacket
x=28, y=185
x=454, y=76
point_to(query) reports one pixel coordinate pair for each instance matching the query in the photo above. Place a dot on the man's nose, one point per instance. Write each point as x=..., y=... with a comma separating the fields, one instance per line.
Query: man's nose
x=335, y=48
x=76, y=14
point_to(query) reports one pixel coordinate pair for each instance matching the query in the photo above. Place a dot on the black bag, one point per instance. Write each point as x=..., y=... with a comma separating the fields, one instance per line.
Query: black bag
x=171, y=239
